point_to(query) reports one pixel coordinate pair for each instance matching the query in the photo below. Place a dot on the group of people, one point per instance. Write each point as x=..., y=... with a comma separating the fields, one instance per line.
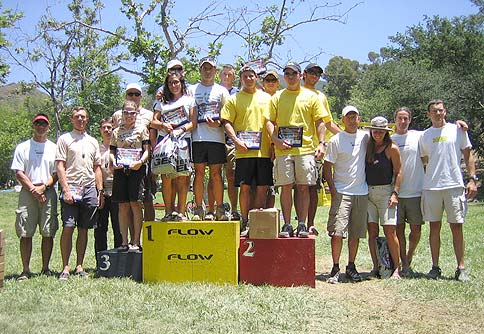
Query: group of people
x=267, y=140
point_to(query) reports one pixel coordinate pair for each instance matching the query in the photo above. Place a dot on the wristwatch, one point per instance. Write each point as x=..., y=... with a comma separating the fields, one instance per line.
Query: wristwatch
x=47, y=187
x=473, y=177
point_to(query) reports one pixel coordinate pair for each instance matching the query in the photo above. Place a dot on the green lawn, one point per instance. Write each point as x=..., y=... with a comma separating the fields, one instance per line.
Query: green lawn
x=98, y=305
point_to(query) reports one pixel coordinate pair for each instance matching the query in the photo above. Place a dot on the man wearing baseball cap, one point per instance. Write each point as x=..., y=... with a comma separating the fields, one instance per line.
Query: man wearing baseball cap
x=344, y=170
x=208, y=140
x=312, y=74
x=294, y=117
x=34, y=166
x=243, y=117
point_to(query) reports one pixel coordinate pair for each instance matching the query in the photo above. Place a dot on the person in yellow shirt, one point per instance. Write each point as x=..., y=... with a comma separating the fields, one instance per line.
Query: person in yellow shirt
x=293, y=117
x=244, y=121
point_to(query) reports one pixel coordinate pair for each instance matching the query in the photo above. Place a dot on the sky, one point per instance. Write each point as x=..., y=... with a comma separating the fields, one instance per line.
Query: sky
x=367, y=28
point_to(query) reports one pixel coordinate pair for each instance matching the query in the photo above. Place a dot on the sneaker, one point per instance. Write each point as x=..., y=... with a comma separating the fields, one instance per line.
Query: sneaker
x=81, y=274
x=235, y=215
x=222, y=213
x=374, y=274
x=301, y=231
x=434, y=273
x=461, y=275
x=46, y=272
x=64, y=276
x=123, y=248
x=244, y=229
x=198, y=213
x=352, y=274
x=406, y=272
x=182, y=217
x=134, y=248
x=313, y=231
x=287, y=231
x=334, y=275
x=24, y=276
x=209, y=216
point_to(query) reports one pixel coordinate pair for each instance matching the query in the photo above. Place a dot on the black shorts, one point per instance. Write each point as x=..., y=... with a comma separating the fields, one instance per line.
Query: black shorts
x=129, y=185
x=253, y=171
x=209, y=153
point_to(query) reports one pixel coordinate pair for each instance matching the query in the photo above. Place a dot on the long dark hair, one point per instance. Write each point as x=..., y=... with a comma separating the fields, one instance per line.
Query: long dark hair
x=371, y=147
x=167, y=94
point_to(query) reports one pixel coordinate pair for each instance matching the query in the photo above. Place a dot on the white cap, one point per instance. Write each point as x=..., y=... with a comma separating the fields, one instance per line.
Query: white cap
x=134, y=86
x=172, y=63
x=348, y=109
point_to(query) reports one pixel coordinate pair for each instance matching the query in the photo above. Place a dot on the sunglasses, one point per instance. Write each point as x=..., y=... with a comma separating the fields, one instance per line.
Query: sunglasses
x=271, y=80
x=41, y=123
x=315, y=73
x=291, y=74
x=133, y=94
x=130, y=112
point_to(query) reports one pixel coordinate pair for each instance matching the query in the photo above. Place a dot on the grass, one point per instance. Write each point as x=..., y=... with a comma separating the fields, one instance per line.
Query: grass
x=99, y=305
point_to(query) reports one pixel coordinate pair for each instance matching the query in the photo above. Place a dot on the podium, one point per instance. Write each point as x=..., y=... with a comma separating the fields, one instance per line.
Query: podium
x=110, y=264
x=281, y=262
x=191, y=251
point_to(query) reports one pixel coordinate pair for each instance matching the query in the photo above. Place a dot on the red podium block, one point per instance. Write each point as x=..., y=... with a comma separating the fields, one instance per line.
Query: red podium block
x=278, y=262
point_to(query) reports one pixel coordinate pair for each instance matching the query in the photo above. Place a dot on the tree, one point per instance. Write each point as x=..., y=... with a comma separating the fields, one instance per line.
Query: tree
x=7, y=20
x=78, y=64
x=341, y=74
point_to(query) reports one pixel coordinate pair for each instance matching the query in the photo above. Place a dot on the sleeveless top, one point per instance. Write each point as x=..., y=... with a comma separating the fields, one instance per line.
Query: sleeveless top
x=380, y=172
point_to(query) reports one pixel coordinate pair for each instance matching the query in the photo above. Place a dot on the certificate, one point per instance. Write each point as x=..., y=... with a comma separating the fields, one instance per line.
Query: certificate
x=126, y=156
x=76, y=192
x=176, y=117
x=251, y=139
x=292, y=135
x=211, y=110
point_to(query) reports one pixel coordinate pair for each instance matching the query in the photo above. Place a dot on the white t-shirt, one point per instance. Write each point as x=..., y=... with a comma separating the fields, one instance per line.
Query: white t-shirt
x=412, y=167
x=215, y=96
x=347, y=152
x=443, y=146
x=185, y=102
x=36, y=160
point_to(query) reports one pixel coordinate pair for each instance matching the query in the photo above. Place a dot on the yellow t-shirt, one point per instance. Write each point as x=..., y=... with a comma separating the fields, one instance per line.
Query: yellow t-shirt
x=326, y=119
x=246, y=113
x=297, y=108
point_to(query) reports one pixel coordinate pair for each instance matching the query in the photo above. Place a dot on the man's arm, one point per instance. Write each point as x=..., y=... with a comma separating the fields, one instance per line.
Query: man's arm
x=328, y=176
x=36, y=191
x=469, y=159
x=98, y=177
x=61, y=173
x=321, y=131
x=229, y=130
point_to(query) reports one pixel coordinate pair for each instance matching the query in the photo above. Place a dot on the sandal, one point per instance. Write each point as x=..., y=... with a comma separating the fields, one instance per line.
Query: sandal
x=123, y=249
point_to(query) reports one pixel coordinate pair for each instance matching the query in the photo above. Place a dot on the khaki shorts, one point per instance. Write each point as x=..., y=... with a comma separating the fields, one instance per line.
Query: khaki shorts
x=230, y=164
x=295, y=169
x=409, y=211
x=347, y=216
x=452, y=200
x=378, y=210
x=31, y=213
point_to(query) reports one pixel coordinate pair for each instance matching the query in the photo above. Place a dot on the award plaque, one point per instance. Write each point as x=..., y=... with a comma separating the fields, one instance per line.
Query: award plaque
x=176, y=117
x=252, y=139
x=126, y=156
x=211, y=110
x=292, y=135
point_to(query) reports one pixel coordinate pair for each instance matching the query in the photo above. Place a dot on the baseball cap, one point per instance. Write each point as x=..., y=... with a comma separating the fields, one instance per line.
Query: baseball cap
x=209, y=60
x=273, y=73
x=349, y=109
x=133, y=86
x=41, y=117
x=174, y=62
x=246, y=69
x=293, y=66
x=313, y=65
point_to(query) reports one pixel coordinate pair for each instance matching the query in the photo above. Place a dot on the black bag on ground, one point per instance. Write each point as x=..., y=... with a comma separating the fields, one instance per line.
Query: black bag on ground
x=385, y=263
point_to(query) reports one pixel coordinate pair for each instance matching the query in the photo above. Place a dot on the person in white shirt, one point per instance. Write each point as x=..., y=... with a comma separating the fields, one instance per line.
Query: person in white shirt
x=344, y=171
x=208, y=140
x=34, y=166
x=441, y=148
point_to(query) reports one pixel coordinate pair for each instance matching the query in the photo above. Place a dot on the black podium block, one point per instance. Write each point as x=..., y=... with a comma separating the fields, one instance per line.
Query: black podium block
x=110, y=263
